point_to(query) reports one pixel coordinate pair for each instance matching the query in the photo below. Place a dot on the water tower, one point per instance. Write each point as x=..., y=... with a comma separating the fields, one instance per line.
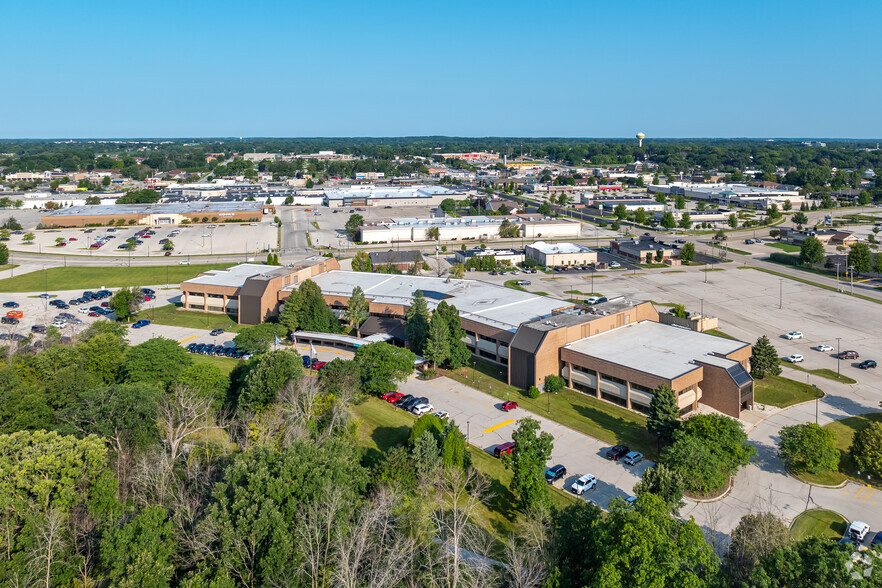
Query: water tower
x=640, y=137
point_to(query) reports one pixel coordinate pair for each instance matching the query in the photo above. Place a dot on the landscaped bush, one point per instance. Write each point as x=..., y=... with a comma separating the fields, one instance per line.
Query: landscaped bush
x=533, y=392
x=554, y=384
x=784, y=258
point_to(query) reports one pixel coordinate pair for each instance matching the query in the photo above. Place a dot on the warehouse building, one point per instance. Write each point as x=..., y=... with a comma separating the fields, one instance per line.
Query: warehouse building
x=370, y=195
x=554, y=254
x=753, y=197
x=465, y=228
x=641, y=249
x=502, y=256
x=156, y=214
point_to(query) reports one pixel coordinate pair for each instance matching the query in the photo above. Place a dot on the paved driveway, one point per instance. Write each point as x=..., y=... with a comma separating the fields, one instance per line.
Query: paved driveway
x=480, y=416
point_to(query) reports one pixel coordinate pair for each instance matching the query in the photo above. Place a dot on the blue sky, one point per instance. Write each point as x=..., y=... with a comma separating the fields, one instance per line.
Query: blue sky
x=674, y=68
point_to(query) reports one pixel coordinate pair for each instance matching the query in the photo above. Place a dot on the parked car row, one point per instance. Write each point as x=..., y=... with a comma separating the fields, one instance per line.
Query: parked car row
x=313, y=363
x=824, y=348
x=413, y=404
x=217, y=350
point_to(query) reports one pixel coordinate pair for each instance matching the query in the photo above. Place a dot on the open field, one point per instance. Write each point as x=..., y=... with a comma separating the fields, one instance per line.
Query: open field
x=76, y=278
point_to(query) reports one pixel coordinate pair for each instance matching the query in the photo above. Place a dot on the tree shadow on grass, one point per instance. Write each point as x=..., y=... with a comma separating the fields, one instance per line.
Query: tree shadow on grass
x=626, y=432
x=385, y=438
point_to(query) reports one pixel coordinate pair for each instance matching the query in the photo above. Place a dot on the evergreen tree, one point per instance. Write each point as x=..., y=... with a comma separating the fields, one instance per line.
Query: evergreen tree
x=417, y=327
x=437, y=346
x=663, y=417
x=459, y=354
x=764, y=360
x=357, y=310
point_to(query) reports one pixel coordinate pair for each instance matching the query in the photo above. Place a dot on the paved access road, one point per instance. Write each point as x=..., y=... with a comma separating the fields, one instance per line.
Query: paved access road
x=479, y=415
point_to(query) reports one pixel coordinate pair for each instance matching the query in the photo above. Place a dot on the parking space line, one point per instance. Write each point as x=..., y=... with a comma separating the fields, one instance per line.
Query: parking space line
x=188, y=338
x=864, y=493
x=499, y=426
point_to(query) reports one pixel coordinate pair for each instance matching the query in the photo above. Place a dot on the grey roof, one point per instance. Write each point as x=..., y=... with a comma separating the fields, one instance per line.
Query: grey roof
x=389, y=192
x=491, y=304
x=558, y=248
x=165, y=208
x=665, y=351
x=391, y=256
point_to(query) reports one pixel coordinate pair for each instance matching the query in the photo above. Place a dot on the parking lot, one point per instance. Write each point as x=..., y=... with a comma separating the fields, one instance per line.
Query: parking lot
x=195, y=240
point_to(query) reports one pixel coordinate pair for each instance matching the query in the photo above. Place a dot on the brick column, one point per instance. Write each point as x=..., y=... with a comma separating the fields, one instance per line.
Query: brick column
x=628, y=394
x=597, y=383
x=569, y=375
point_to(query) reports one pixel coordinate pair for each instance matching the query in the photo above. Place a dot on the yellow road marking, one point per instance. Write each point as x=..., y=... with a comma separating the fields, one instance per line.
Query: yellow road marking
x=864, y=493
x=325, y=349
x=187, y=339
x=499, y=426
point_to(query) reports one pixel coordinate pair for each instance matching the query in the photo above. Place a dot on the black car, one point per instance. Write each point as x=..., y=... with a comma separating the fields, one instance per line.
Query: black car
x=10, y=304
x=867, y=364
x=8, y=320
x=619, y=451
x=216, y=332
x=148, y=291
x=191, y=346
x=74, y=301
x=555, y=473
x=404, y=399
x=41, y=329
x=410, y=404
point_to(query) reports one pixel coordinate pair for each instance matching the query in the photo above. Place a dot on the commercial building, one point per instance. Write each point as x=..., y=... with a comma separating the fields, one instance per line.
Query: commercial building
x=742, y=195
x=155, y=214
x=400, y=260
x=641, y=248
x=553, y=254
x=617, y=351
x=370, y=195
x=825, y=236
x=249, y=292
x=502, y=256
x=465, y=228
x=607, y=204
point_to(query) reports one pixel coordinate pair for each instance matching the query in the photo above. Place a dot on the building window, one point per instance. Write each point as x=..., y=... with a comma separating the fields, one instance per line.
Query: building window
x=613, y=399
x=640, y=388
x=483, y=353
x=639, y=408
x=586, y=389
x=215, y=309
x=614, y=379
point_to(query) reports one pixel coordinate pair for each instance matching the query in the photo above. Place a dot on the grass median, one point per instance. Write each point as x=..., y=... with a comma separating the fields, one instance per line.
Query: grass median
x=818, y=523
x=782, y=392
x=821, y=372
x=844, y=430
x=173, y=315
x=225, y=364
x=84, y=277
x=580, y=412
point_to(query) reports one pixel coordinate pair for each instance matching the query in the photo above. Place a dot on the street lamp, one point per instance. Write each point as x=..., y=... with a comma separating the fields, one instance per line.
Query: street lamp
x=838, y=355
x=851, y=277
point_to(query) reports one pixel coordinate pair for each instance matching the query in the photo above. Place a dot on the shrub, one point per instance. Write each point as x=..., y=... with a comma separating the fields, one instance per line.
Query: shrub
x=533, y=392
x=554, y=384
x=784, y=258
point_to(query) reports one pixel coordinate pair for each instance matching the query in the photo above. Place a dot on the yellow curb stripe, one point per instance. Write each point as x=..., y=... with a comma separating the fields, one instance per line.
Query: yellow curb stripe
x=499, y=426
x=188, y=338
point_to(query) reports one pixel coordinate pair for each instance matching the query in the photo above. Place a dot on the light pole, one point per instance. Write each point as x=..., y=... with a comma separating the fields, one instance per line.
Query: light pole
x=468, y=431
x=851, y=278
x=837, y=277
x=701, y=320
x=838, y=356
x=780, y=293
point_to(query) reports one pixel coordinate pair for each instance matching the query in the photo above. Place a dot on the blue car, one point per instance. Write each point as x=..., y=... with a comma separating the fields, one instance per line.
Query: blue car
x=307, y=361
x=141, y=323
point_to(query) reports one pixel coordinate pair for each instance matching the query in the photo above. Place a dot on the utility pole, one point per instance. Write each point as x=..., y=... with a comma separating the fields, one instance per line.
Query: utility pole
x=838, y=356
x=837, y=277
x=851, y=276
x=701, y=321
x=781, y=293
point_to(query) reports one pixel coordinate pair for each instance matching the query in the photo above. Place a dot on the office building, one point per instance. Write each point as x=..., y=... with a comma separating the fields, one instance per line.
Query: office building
x=554, y=254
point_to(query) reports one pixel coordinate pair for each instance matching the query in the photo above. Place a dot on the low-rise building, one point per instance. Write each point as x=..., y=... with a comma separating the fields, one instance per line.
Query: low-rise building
x=531, y=226
x=642, y=248
x=502, y=256
x=400, y=260
x=371, y=195
x=825, y=236
x=155, y=214
x=554, y=254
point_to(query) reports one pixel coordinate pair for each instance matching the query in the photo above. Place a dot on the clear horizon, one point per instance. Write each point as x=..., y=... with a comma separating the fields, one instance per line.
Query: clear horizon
x=274, y=69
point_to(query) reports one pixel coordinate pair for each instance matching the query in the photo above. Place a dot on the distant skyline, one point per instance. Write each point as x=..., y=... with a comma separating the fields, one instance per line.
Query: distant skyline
x=677, y=69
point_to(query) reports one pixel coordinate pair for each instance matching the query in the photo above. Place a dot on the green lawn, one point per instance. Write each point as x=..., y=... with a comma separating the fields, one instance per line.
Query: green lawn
x=511, y=284
x=667, y=304
x=384, y=426
x=8, y=266
x=738, y=251
x=171, y=314
x=844, y=431
x=785, y=247
x=586, y=414
x=719, y=333
x=780, y=391
x=820, y=372
x=225, y=364
x=818, y=523
x=76, y=278
x=580, y=293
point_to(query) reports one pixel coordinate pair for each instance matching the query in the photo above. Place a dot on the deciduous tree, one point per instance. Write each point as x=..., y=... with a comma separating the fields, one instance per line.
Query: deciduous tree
x=527, y=463
x=357, y=309
x=383, y=366
x=807, y=447
x=866, y=449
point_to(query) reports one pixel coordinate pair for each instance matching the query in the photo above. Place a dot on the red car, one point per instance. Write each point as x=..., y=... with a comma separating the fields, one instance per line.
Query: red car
x=509, y=405
x=849, y=355
x=94, y=314
x=393, y=397
x=319, y=365
x=72, y=239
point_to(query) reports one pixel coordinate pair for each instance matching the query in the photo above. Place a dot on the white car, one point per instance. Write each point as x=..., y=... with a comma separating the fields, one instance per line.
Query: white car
x=441, y=414
x=84, y=310
x=795, y=358
x=184, y=262
x=59, y=324
x=633, y=458
x=823, y=347
x=583, y=484
x=614, y=264
x=421, y=409
x=793, y=335
x=515, y=272
x=592, y=299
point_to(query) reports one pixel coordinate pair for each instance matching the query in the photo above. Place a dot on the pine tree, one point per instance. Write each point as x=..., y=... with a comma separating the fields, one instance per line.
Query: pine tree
x=459, y=353
x=664, y=413
x=437, y=346
x=764, y=360
x=357, y=310
x=417, y=325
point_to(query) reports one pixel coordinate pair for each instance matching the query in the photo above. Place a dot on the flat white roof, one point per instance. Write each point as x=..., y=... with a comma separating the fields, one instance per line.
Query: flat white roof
x=234, y=276
x=665, y=351
x=382, y=192
x=558, y=248
x=484, y=302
